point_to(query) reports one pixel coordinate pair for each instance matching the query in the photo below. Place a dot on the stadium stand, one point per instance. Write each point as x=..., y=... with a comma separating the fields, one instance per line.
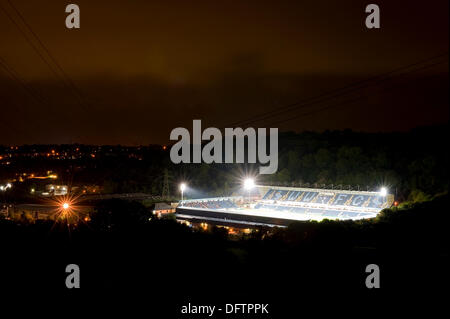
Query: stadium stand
x=211, y=204
x=299, y=204
x=340, y=198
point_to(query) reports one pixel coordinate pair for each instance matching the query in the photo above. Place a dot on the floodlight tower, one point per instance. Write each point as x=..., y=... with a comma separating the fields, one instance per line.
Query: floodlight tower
x=249, y=184
x=182, y=188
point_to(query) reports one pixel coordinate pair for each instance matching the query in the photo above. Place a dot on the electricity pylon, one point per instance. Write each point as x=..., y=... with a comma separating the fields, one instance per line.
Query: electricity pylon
x=166, y=190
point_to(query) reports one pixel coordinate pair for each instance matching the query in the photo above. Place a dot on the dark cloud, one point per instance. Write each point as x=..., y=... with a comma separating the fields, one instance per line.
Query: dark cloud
x=144, y=110
x=145, y=67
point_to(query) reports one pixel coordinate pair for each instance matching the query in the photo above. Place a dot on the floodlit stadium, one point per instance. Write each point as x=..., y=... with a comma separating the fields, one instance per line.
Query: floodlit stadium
x=279, y=206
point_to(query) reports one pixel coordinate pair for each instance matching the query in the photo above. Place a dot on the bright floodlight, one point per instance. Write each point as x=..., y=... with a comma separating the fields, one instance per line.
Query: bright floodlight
x=182, y=187
x=383, y=191
x=249, y=183
x=66, y=206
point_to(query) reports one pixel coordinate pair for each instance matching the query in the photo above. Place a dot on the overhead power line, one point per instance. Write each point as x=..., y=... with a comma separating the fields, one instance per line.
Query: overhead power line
x=10, y=72
x=344, y=103
x=53, y=59
x=355, y=86
x=53, y=70
x=16, y=77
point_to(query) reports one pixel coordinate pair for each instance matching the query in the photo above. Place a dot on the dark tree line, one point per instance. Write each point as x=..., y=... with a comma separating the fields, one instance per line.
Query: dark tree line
x=413, y=165
x=124, y=253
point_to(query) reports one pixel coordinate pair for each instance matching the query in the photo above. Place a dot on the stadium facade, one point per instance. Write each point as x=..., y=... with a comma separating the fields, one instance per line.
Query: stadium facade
x=280, y=206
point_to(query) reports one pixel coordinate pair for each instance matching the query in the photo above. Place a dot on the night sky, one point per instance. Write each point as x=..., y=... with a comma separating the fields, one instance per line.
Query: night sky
x=143, y=68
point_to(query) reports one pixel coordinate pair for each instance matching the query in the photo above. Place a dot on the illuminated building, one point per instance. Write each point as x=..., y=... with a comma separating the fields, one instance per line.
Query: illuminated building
x=280, y=206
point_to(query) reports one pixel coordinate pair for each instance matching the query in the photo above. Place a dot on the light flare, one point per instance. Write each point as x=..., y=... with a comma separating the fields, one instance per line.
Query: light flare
x=66, y=207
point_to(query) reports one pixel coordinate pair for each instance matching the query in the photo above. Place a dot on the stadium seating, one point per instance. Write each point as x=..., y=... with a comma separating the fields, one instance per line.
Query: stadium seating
x=305, y=204
x=292, y=196
x=323, y=204
x=317, y=212
x=212, y=204
x=338, y=199
x=268, y=194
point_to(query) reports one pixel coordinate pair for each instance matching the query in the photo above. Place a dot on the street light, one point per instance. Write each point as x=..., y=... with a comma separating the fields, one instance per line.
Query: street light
x=182, y=188
x=65, y=206
x=383, y=191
